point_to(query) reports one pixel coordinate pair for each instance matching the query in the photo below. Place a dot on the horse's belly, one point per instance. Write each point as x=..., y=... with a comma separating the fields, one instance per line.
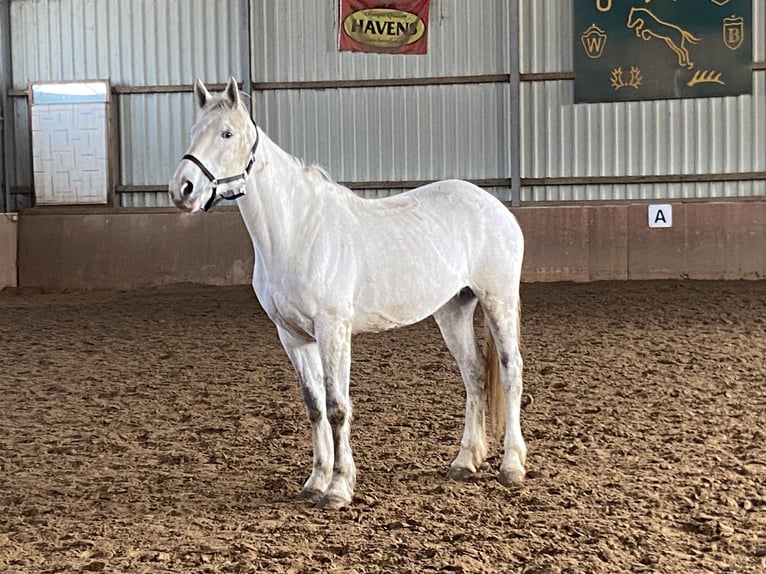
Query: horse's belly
x=384, y=319
x=384, y=306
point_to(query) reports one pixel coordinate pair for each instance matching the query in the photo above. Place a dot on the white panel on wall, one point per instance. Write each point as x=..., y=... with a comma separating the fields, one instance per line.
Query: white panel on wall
x=69, y=153
x=70, y=127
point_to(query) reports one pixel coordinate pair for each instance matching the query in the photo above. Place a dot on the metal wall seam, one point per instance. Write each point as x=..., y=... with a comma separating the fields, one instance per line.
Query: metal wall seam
x=7, y=203
x=514, y=104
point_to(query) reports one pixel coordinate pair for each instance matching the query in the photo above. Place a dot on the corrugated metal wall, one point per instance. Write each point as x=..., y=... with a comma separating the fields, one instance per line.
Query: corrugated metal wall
x=446, y=114
x=386, y=133
x=393, y=134
x=140, y=46
x=649, y=138
x=296, y=40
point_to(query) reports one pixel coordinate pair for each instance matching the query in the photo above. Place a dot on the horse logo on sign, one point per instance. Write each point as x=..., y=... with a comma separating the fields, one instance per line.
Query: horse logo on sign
x=647, y=26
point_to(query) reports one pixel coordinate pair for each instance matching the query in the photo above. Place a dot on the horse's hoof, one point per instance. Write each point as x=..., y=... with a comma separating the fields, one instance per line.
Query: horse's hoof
x=510, y=478
x=331, y=502
x=460, y=473
x=310, y=494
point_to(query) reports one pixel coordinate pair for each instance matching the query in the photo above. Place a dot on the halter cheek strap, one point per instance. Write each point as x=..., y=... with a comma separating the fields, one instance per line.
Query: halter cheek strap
x=215, y=182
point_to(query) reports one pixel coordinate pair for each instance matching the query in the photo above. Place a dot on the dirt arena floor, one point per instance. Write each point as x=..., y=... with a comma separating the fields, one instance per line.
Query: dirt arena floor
x=162, y=430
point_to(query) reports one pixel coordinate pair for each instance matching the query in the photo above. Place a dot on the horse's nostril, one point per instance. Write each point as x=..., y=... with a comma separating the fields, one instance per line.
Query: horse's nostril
x=187, y=188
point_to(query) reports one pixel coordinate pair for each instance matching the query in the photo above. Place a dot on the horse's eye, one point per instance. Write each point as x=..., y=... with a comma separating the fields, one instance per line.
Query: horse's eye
x=227, y=134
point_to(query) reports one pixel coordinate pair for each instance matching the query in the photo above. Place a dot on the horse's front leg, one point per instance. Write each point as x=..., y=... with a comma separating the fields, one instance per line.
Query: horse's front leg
x=334, y=338
x=304, y=355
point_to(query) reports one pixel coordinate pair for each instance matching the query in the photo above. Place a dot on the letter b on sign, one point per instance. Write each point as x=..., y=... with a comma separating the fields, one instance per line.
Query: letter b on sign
x=660, y=216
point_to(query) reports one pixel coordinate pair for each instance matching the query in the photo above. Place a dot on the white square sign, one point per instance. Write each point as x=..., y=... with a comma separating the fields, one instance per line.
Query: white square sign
x=660, y=215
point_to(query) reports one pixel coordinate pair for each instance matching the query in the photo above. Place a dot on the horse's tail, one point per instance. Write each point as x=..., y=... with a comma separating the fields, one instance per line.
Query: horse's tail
x=689, y=37
x=495, y=393
x=494, y=390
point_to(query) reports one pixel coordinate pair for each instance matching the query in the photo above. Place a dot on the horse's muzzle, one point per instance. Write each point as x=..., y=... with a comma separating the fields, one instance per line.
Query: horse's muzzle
x=180, y=194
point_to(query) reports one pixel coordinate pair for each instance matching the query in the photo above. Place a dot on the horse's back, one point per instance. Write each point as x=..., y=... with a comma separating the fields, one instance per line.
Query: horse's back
x=486, y=230
x=450, y=198
x=472, y=211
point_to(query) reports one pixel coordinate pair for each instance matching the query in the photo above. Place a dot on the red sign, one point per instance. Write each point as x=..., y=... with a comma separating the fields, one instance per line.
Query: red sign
x=389, y=27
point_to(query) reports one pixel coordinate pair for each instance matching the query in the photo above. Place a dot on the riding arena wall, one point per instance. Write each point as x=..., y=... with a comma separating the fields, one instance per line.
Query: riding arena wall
x=492, y=102
x=716, y=240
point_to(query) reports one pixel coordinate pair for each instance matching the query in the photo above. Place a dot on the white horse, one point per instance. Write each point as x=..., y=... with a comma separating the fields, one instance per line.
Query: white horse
x=329, y=264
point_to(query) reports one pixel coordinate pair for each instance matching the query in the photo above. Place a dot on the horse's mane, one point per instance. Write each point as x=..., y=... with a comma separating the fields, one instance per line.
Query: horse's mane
x=315, y=170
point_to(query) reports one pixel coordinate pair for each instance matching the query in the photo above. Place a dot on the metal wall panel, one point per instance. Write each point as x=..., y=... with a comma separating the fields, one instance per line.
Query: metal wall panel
x=157, y=137
x=136, y=43
x=759, y=30
x=383, y=134
x=703, y=135
x=296, y=40
x=545, y=36
x=664, y=137
x=141, y=43
x=393, y=134
x=21, y=155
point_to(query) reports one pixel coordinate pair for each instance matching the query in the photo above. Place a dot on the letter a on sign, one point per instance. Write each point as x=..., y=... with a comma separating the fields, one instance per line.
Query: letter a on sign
x=660, y=216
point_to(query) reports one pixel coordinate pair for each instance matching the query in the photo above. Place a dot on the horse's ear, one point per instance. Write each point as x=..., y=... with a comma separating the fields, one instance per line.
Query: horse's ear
x=201, y=94
x=232, y=92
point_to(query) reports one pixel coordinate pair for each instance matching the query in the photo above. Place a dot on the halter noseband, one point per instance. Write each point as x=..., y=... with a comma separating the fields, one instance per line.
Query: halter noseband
x=215, y=181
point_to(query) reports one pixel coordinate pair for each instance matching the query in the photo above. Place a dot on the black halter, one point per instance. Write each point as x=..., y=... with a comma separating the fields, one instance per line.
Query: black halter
x=215, y=182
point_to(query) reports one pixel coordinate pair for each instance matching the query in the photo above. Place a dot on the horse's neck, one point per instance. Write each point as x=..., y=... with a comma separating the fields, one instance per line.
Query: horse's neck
x=284, y=201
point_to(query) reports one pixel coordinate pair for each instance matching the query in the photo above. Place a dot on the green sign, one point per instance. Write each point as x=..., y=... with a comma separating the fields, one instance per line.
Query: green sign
x=659, y=49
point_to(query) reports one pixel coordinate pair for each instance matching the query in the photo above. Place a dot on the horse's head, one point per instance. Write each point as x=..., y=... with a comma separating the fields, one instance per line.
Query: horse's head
x=221, y=154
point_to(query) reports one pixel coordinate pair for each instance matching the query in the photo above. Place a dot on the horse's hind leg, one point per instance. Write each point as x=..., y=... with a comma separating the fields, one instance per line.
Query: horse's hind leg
x=504, y=320
x=455, y=320
x=304, y=355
